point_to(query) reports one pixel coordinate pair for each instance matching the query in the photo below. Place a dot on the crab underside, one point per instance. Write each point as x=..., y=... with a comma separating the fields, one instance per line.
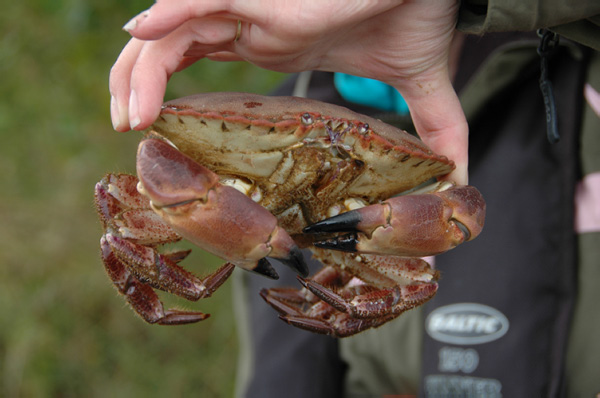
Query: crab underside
x=248, y=178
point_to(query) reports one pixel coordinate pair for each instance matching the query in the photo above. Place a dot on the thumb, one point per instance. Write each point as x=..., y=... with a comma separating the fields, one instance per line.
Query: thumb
x=440, y=122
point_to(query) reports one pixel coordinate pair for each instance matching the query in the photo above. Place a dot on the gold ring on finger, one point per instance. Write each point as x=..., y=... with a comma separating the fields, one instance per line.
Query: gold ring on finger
x=238, y=32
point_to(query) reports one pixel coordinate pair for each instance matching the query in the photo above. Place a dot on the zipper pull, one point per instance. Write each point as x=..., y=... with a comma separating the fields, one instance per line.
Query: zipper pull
x=548, y=43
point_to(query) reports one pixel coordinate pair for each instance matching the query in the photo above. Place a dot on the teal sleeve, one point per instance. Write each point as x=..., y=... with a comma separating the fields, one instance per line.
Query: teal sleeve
x=369, y=92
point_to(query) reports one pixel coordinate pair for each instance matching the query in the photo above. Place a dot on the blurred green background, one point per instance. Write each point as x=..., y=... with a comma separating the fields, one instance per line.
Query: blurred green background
x=64, y=331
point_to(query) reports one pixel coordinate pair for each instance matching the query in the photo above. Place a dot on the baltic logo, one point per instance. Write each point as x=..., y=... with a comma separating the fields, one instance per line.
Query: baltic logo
x=466, y=324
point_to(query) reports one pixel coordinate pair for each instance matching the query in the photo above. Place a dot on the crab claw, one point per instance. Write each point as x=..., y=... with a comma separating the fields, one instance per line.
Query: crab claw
x=411, y=225
x=215, y=217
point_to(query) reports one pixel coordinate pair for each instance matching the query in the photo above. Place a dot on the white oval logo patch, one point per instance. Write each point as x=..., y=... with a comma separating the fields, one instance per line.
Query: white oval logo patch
x=466, y=324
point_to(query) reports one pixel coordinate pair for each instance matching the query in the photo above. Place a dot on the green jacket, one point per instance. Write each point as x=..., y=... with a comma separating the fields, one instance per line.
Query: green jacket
x=575, y=20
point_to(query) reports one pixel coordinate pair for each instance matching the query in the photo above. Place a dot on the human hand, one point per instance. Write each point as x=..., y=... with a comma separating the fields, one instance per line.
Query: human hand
x=404, y=44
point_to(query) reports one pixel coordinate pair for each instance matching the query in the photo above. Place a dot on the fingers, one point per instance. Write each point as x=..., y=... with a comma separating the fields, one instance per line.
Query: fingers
x=119, y=84
x=440, y=121
x=224, y=56
x=139, y=77
x=165, y=16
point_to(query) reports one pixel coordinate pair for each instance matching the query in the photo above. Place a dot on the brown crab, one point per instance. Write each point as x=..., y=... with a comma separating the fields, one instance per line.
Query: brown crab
x=248, y=177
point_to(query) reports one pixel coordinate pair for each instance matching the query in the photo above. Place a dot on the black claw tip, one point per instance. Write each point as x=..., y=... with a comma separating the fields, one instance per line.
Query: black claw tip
x=345, y=222
x=345, y=243
x=264, y=268
x=295, y=260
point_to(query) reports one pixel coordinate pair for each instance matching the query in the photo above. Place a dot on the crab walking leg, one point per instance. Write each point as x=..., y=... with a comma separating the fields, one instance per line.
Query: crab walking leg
x=132, y=233
x=114, y=194
x=333, y=303
x=383, y=271
x=389, y=285
x=338, y=325
x=291, y=301
x=302, y=309
x=213, y=216
x=411, y=225
x=324, y=318
x=375, y=303
x=126, y=213
x=141, y=297
x=160, y=272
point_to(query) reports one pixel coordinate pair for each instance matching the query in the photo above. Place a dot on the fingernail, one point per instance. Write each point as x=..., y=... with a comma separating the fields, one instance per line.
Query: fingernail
x=135, y=21
x=114, y=112
x=134, y=111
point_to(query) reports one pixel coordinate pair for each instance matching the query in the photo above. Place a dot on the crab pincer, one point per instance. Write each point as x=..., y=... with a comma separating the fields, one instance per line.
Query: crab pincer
x=215, y=217
x=413, y=225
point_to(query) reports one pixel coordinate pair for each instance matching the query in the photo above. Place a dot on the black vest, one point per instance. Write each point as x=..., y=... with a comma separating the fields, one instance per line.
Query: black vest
x=499, y=323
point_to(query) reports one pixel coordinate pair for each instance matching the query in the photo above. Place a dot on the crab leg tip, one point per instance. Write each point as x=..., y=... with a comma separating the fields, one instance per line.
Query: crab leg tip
x=345, y=243
x=176, y=317
x=295, y=260
x=345, y=222
x=284, y=318
x=264, y=268
x=302, y=281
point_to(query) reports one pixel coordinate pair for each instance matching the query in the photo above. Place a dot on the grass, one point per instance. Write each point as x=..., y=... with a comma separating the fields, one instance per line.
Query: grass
x=63, y=329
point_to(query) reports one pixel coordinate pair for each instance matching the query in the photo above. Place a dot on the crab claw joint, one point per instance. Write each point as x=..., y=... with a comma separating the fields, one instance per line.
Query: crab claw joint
x=409, y=225
x=215, y=217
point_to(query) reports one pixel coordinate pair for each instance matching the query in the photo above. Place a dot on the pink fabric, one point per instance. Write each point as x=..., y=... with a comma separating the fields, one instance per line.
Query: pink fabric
x=593, y=98
x=587, y=204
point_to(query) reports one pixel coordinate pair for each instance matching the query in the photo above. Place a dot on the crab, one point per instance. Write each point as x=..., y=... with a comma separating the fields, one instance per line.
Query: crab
x=248, y=177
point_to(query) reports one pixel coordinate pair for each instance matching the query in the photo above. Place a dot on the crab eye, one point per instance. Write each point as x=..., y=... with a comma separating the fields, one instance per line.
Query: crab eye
x=363, y=128
x=307, y=119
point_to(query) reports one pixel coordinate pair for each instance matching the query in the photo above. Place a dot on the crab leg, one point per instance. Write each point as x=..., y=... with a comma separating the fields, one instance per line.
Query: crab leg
x=374, y=303
x=289, y=301
x=306, y=311
x=133, y=232
x=113, y=194
x=343, y=325
x=135, y=268
x=411, y=225
x=142, y=297
x=161, y=272
x=213, y=216
x=335, y=303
